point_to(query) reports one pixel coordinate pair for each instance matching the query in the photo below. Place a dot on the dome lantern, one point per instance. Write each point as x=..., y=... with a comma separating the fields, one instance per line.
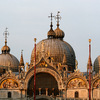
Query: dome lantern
x=59, y=33
x=51, y=33
x=7, y=59
x=5, y=49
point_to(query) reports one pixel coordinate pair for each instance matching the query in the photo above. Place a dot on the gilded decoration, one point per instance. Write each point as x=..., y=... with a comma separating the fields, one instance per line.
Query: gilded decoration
x=76, y=83
x=9, y=83
x=97, y=84
x=43, y=64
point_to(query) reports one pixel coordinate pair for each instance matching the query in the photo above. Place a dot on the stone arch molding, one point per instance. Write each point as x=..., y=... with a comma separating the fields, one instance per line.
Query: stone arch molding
x=45, y=70
x=96, y=81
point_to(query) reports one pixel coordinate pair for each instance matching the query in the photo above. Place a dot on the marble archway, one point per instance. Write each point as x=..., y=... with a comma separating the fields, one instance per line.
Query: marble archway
x=51, y=73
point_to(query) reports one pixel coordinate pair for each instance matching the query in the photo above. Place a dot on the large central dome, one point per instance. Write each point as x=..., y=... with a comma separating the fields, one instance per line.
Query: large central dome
x=56, y=50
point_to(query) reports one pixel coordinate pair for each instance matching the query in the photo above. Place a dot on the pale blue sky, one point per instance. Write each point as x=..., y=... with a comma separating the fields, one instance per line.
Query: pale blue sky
x=27, y=19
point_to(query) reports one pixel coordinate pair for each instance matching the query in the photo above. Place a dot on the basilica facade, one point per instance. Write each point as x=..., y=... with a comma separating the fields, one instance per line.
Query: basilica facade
x=57, y=75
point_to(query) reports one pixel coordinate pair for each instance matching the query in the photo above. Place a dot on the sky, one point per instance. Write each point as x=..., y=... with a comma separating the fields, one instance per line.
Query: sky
x=28, y=19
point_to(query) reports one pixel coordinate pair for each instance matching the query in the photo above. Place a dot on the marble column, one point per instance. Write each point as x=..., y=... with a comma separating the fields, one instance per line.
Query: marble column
x=46, y=91
x=39, y=91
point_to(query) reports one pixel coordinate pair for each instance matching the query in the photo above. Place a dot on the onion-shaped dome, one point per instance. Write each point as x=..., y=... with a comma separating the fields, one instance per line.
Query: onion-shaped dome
x=59, y=33
x=54, y=50
x=51, y=33
x=5, y=49
x=7, y=60
x=97, y=64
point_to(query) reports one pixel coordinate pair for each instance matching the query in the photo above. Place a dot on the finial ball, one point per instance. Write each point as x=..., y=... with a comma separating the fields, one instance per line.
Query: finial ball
x=89, y=40
x=35, y=39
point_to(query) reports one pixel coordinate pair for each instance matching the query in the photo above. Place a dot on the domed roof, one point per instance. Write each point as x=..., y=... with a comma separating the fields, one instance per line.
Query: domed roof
x=97, y=64
x=8, y=60
x=59, y=33
x=51, y=33
x=56, y=50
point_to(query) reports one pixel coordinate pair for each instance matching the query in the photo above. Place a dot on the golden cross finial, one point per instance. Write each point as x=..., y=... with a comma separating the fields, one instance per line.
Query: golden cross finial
x=51, y=20
x=21, y=51
x=51, y=17
x=35, y=40
x=58, y=17
x=5, y=34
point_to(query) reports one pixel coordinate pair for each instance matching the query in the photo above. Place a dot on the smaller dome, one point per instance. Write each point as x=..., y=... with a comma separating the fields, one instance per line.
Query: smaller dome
x=7, y=60
x=97, y=64
x=5, y=49
x=51, y=33
x=59, y=33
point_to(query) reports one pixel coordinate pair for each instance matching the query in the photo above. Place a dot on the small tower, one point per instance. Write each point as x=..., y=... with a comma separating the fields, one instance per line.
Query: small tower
x=21, y=64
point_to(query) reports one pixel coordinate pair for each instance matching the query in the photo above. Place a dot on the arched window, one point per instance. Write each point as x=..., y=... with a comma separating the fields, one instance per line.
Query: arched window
x=9, y=94
x=76, y=94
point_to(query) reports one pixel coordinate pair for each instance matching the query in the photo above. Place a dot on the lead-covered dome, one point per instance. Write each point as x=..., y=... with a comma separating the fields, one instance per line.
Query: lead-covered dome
x=7, y=60
x=55, y=50
x=97, y=64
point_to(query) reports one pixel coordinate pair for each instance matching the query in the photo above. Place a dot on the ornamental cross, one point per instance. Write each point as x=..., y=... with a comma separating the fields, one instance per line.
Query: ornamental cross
x=21, y=51
x=5, y=34
x=51, y=17
x=58, y=17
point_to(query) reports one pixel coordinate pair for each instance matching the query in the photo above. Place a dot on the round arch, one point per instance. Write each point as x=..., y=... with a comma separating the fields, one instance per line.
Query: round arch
x=79, y=81
x=55, y=79
x=45, y=70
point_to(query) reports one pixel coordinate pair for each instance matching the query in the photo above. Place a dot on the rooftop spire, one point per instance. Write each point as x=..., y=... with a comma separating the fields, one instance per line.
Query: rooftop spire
x=58, y=17
x=21, y=59
x=6, y=34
